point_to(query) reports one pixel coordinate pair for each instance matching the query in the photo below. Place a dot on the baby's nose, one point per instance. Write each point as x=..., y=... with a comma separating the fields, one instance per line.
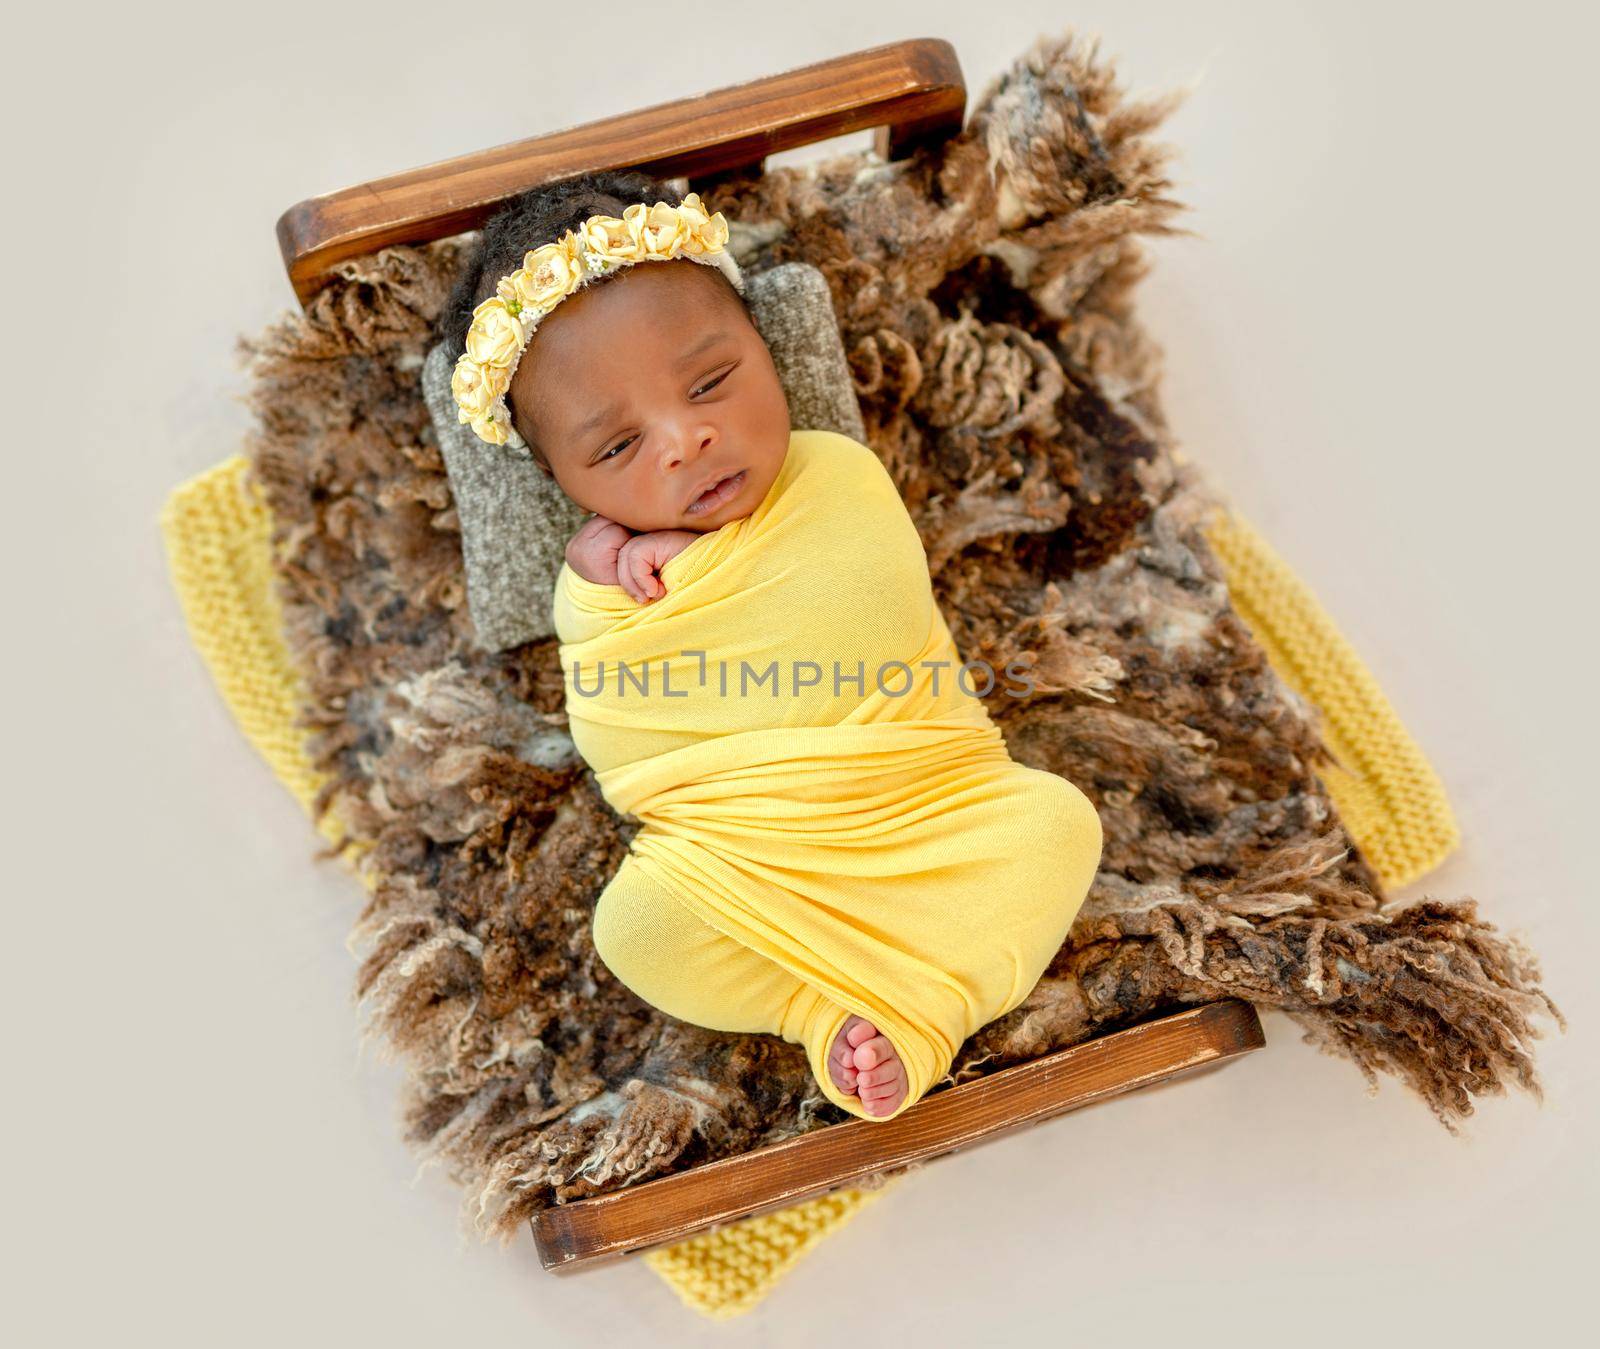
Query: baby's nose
x=689, y=448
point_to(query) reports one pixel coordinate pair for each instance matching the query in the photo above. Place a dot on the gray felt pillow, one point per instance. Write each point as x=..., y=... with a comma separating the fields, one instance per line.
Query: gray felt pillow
x=515, y=521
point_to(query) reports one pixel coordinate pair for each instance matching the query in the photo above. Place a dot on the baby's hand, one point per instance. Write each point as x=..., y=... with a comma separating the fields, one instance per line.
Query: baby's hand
x=592, y=551
x=642, y=557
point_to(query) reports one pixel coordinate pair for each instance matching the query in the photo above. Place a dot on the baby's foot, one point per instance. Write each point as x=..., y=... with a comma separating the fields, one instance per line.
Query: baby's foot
x=868, y=1062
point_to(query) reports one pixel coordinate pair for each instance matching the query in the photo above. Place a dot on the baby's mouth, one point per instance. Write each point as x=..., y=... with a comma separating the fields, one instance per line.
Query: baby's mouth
x=716, y=494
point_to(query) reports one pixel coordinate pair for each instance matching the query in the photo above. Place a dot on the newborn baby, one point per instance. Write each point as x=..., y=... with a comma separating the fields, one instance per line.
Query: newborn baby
x=841, y=853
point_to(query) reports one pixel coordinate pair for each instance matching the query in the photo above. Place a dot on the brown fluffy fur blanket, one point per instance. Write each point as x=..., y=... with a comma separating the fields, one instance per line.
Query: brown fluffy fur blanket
x=983, y=289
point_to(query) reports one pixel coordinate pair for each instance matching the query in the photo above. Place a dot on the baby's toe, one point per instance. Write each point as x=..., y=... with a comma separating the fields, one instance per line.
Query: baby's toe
x=841, y=1064
x=873, y=1052
x=858, y=1030
x=882, y=1075
x=881, y=1099
x=881, y=1081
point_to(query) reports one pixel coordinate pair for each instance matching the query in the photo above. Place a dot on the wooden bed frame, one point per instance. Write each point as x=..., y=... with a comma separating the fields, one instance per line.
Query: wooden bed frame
x=591, y=1232
x=907, y=92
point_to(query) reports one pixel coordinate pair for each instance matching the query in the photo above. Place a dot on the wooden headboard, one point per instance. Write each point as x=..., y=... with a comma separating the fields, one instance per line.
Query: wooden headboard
x=908, y=91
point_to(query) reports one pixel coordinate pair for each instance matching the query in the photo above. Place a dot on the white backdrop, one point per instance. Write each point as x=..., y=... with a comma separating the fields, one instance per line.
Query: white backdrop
x=1380, y=346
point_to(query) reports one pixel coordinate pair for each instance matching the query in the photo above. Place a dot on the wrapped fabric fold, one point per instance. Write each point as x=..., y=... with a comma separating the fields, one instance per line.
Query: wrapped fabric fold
x=831, y=822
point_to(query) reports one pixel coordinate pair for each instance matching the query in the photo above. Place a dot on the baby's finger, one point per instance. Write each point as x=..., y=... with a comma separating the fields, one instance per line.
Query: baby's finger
x=648, y=581
x=638, y=573
x=625, y=576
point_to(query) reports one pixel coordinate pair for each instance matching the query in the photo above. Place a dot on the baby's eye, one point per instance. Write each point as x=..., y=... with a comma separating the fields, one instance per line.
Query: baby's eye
x=707, y=388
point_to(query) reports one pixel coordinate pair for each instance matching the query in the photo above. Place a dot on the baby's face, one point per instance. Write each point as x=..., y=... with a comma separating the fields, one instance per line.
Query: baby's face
x=645, y=390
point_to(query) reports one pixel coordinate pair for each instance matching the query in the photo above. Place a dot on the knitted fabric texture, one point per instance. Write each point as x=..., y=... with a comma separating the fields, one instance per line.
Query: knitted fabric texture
x=1388, y=793
x=983, y=287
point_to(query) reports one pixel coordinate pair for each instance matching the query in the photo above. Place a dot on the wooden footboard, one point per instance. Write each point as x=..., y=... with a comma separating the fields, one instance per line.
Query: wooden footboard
x=592, y=1231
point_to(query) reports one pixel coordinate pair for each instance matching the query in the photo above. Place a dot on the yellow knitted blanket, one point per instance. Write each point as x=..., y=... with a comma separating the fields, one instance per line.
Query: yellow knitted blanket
x=218, y=537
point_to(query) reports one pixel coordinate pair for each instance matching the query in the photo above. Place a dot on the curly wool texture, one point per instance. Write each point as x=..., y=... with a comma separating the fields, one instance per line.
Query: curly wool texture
x=984, y=291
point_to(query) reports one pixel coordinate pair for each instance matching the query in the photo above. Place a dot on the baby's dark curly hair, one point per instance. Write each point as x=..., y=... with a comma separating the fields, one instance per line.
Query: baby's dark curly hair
x=542, y=215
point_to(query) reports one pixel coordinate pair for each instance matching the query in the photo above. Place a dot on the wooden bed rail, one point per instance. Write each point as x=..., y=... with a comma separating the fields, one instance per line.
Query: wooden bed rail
x=590, y=1232
x=910, y=91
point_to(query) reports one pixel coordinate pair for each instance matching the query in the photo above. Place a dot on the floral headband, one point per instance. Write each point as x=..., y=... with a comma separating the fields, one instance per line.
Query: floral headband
x=503, y=325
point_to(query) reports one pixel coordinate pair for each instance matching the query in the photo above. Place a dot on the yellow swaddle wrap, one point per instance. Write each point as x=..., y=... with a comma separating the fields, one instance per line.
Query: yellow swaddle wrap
x=831, y=823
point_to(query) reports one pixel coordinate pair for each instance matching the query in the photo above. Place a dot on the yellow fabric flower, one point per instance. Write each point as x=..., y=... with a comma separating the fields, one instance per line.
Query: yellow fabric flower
x=662, y=230
x=706, y=232
x=710, y=237
x=477, y=387
x=489, y=427
x=612, y=239
x=693, y=211
x=547, y=276
x=496, y=336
